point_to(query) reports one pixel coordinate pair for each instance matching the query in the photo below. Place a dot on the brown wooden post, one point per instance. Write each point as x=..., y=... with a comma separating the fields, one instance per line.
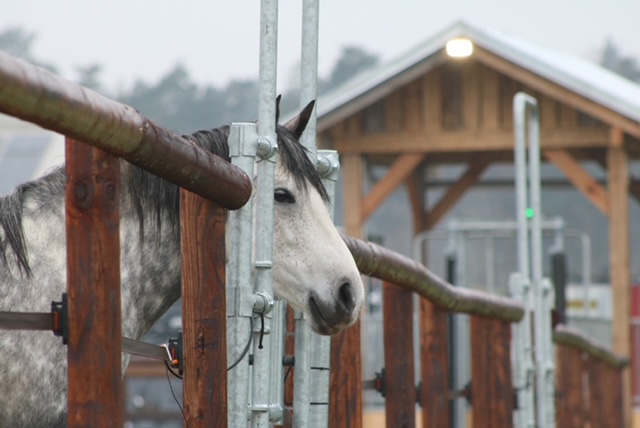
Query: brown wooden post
x=400, y=397
x=570, y=388
x=202, y=225
x=596, y=412
x=434, y=366
x=93, y=276
x=619, y=249
x=491, y=386
x=345, y=395
x=612, y=398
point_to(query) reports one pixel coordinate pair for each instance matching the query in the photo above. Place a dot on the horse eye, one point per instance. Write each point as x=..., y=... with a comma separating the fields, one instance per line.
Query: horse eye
x=283, y=196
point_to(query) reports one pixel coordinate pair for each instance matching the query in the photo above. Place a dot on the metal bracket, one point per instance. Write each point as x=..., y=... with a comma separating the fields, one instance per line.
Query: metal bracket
x=60, y=311
x=176, y=351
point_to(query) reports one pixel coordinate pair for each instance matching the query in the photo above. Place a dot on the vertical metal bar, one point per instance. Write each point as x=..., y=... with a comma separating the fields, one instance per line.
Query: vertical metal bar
x=242, y=150
x=93, y=276
x=263, y=349
x=305, y=341
x=320, y=348
x=526, y=113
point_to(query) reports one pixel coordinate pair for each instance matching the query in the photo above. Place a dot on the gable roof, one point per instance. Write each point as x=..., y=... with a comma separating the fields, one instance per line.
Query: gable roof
x=585, y=78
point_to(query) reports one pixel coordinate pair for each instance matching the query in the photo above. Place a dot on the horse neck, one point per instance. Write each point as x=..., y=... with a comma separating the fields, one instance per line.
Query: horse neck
x=150, y=250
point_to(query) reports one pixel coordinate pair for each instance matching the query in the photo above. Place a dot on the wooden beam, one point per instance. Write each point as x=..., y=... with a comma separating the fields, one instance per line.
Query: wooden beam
x=403, y=166
x=465, y=140
x=619, y=271
x=471, y=95
x=416, y=190
x=455, y=192
x=557, y=92
x=580, y=178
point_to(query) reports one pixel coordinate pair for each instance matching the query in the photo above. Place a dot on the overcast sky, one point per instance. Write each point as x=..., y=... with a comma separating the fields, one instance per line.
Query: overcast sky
x=218, y=40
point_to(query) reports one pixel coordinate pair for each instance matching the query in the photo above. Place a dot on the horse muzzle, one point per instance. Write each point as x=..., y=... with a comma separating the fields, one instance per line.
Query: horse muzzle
x=331, y=317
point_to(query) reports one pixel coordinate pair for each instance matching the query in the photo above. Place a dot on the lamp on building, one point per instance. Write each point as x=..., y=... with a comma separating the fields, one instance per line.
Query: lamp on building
x=459, y=48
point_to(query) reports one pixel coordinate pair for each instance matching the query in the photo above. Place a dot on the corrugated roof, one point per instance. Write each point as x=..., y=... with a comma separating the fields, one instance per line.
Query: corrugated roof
x=576, y=74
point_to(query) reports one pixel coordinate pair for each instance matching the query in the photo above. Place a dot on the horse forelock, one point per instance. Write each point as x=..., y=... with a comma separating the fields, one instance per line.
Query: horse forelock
x=295, y=158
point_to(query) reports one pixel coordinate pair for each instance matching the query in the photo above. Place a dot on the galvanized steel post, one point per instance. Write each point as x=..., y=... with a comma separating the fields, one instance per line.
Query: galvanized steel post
x=243, y=139
x=265, y=350
x=525, y=110
x=305, y=341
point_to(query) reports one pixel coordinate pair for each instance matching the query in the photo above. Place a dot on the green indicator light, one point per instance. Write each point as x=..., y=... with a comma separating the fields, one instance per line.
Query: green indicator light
x=529, y=212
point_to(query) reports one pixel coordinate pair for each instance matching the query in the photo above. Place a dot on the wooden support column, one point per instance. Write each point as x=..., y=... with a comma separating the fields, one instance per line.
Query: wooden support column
x=345, y=395
x=491, y=386
x=618, y=184
x=570, y=405
x=400, y=399
x=93, y=276
x=202, y=226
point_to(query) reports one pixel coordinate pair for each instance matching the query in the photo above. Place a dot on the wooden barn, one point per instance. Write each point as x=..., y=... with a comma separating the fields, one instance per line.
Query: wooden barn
x=430, y=107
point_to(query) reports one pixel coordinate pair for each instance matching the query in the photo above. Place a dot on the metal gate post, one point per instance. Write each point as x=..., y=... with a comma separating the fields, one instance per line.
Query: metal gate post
x=525, y=111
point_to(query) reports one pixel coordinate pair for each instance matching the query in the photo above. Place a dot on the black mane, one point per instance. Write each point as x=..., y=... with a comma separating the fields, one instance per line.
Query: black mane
x=140, y=192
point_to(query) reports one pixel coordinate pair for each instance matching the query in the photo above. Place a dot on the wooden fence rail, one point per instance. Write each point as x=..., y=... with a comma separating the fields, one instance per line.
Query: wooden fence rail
x=588, y=374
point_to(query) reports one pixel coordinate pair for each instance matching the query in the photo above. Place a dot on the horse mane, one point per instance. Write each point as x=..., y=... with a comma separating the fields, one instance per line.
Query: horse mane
x=141, y=192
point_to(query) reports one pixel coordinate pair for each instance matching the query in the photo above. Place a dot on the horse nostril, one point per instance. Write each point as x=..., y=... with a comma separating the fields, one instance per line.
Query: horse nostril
x=346, y=298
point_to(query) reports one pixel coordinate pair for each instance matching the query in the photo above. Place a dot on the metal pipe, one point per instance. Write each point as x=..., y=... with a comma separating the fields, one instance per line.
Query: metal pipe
x=266, y=375
x=305, y=340
x=39, y=96
x=242, y=149
x=321, y=345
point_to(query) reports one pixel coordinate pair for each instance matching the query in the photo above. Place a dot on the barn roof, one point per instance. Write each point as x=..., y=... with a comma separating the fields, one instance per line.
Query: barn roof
x=585, y=78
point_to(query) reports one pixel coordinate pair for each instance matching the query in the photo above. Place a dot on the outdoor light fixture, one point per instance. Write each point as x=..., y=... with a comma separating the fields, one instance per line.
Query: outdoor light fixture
x=459, y=48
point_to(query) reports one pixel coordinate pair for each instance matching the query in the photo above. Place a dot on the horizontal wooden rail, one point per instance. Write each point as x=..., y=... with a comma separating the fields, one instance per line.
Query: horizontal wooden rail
x=568, y=336
x=36, y=95
x=379, y=262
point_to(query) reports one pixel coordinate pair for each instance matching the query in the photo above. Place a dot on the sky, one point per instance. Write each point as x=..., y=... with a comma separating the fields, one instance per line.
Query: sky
x=218, y=41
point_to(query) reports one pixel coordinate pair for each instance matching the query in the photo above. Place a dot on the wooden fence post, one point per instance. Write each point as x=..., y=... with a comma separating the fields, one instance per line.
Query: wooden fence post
x=570, y=405
x=202, y=225
x=491, y=386
x=93, y=277
x=400, y=397
x=434, y=367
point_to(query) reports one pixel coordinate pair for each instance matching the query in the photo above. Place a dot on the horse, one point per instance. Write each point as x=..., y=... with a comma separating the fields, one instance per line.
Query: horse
x=313, y=270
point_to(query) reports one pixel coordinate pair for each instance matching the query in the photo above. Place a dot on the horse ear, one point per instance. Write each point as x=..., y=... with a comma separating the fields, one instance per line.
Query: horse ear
x=299, y=123
x=278, y=109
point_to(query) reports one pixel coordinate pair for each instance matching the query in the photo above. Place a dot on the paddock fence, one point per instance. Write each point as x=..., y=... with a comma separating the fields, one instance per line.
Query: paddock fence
x=588, y=375
x=100, y=130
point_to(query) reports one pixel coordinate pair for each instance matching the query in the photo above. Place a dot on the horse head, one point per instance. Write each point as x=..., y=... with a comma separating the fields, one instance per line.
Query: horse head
x=313, y=269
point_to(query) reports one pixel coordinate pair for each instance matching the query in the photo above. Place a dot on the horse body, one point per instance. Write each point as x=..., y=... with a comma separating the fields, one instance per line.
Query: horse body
x=313, y=270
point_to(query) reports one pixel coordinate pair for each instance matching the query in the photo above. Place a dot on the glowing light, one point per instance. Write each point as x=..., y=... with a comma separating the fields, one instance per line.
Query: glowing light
x=459, y=48
x=529, y=213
